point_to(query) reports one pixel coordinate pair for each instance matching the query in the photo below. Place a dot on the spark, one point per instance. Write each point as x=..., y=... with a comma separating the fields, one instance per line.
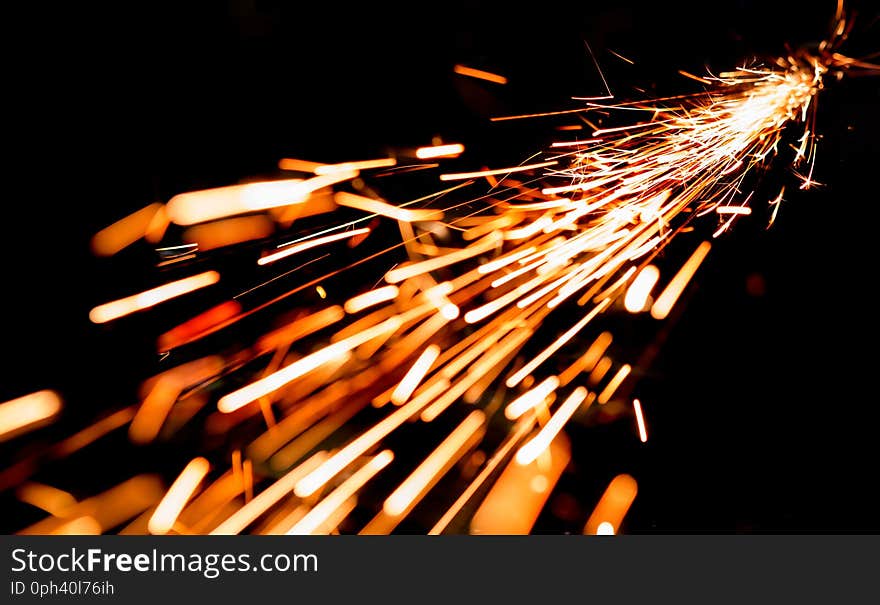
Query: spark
x=350, y=167
x=366, y=204
x=529, y=452
x=640, y=289
x=609, y=390
x=434, y=466
x=471, y=175
x=138, y=302
x=247, y=514
x=415, y=374
x=613, y=505
x=309, y=244
x=316, y=519
x=358, y=303
x=531, y=398
x=670, y=294
x=468, y=317
x=27, y=412
x=175, y=499
x=451, y=150
x=128, y=230
x=640, y=421
x=479, y=74
x=211, y=204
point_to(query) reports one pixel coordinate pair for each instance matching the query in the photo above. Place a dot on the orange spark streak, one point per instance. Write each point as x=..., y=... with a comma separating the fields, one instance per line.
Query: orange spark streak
x=381, y=208
x=249, y=513
x=309, y=244
x=529, y=452
x=54, y=501
x=438, y=462
x=178, y=495
x=210, y=204
x=432, y=264
x=676, y=286
x=298, y=165
x=440, y=151
x=27, y=412
x=312, y=482
x=531, y=398
x=740, y=210
x=479, y=74
x=276, y=380
x=138, y=302
x=315, y=520
x=616, y=380
x=348, y=167
x=415, y=375
x=640, y=289
x=470, y=175
x=640, y=421
x=613, y=505
x=513, y=504
x=527, y=369
x=125, y=231
x=358, y=303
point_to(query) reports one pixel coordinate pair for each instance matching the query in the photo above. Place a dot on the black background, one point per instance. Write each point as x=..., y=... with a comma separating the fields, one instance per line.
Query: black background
x=762, y=409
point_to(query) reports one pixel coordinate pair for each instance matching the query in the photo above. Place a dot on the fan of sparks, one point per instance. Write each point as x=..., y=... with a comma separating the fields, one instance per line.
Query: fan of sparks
x=572, y=233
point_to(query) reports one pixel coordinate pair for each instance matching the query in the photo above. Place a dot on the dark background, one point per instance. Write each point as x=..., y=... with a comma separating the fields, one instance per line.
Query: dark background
x=762, y=404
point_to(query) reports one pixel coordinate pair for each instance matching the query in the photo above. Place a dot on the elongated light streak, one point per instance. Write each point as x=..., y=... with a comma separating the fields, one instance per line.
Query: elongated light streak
x=434, y=466
x=529, y=452
x=667, y=299
x=325, y=169
x=640, y=421
x=527, y=369
x=358, y=303
x=640, y=289
x=138, y=302
x=415, y=374
x=613, y=505
x=480, y=74
x=318, y=516
x=440, y=151
x=27, y=411
x=178, y=495
x=309, y=244
x=309, y=484
x=210, y=204
x=616, y=380
x=432, y=264
x=368, y=204
x=276, y=380
x=247, y=514
x=470, y=175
